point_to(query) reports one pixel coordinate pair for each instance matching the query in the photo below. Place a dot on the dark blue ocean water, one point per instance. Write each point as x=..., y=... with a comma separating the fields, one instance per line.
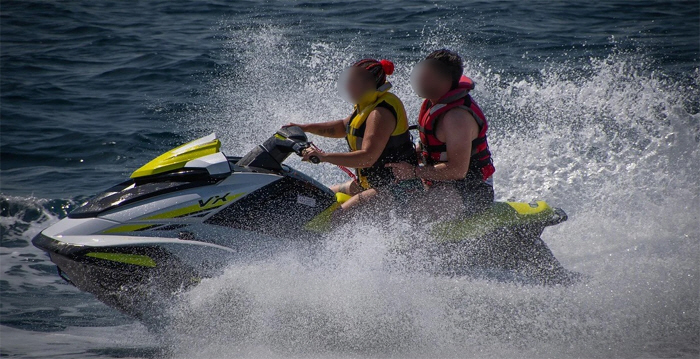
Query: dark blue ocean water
x=593, y=105
x=96, y=87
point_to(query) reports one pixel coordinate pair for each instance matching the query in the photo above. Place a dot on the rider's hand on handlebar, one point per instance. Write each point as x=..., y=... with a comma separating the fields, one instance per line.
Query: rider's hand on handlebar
x=310, y=152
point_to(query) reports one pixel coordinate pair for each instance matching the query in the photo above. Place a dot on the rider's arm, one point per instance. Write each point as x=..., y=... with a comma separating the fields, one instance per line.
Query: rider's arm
x=457, y=129
x=380, y=124
x=334, y=129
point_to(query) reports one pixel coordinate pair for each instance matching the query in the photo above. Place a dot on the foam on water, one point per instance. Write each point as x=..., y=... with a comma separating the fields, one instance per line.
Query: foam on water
x=124, y=341
x=24, y=218
x=612, y=141
x=34, y=297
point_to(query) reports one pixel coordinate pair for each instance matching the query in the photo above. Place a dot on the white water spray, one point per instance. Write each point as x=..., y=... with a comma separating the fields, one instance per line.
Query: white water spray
x=613, y=143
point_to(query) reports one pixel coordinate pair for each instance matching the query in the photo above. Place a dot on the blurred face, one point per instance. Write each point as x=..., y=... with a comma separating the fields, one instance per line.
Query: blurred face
x=428, y=81
x=354, y=83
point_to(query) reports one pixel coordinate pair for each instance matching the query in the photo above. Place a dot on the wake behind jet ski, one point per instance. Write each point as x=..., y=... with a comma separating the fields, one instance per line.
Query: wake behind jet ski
x=191, y=211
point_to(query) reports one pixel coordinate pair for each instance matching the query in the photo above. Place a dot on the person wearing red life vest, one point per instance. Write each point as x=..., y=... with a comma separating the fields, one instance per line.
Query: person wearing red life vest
x=453, y=144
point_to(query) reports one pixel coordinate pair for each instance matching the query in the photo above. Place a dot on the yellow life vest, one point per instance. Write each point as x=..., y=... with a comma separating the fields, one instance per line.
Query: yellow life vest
x=398, y=148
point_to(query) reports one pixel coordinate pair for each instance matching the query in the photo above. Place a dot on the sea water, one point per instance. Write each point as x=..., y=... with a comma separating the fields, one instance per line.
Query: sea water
x=593, y=107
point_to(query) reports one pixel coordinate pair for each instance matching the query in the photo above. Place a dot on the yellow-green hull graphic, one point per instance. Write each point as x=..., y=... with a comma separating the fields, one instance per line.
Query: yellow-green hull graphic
x=501, y=215
x=202, y=205
x=135, y=259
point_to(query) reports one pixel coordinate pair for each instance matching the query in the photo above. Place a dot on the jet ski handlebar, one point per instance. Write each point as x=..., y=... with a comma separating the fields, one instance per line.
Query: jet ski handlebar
x=277, y=148
x=315, y=160
x=299, y=148
x=300, y=141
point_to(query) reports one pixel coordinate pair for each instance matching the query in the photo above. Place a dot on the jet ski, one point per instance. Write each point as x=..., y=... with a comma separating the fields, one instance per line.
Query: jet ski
x=191, y=211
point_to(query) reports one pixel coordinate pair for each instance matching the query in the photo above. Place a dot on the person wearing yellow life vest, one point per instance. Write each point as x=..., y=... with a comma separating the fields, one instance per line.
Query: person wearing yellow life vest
x=376, y=131
x=457, y=163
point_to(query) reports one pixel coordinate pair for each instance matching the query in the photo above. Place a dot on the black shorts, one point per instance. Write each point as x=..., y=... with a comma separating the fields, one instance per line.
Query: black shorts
x=477, y=195
x=378, y=177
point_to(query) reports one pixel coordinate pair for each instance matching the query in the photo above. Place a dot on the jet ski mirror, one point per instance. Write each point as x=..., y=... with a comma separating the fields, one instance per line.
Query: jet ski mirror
x=276, y=149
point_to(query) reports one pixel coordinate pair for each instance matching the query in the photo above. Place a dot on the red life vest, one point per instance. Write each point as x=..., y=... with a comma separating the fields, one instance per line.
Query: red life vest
x=435, y=151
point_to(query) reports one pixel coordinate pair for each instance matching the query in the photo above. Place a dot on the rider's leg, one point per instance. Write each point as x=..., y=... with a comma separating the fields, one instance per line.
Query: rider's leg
x=350, y=188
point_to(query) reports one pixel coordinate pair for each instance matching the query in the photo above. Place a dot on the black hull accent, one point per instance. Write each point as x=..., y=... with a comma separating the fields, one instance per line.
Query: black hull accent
x=515, y=254
x=279, y=208
x=139, y=291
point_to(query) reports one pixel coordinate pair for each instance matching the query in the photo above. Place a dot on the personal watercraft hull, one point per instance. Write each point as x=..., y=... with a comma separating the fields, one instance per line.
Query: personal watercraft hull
x=193, y=211
x=140, y=275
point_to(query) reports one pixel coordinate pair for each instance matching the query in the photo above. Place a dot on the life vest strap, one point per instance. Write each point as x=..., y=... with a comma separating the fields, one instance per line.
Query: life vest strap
x=454, y=96
x=468, y=108
x=437, y=107
x=482, y=154
x=478, y=141
x=480, y=163
x=435, y=148
x=425, y=130
x=357, y=132
x=385, y=87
